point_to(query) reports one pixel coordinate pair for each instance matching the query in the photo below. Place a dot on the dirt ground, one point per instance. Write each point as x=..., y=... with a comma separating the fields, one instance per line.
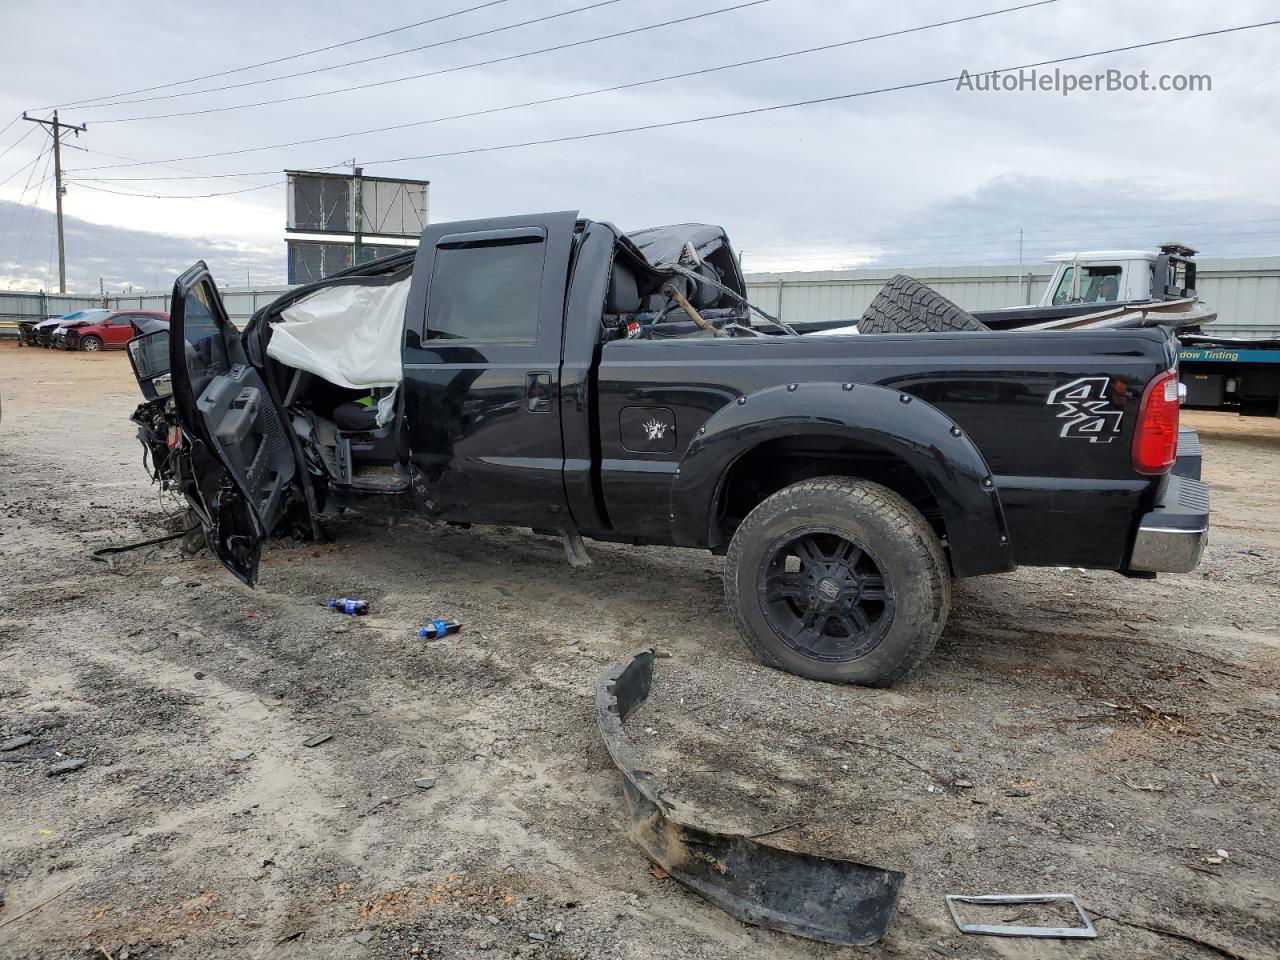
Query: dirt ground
x=1075, y=731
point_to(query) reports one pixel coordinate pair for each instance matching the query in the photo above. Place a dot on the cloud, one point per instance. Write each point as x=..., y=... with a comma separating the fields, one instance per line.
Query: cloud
x=122, y=257
x=1034, y=217
x=833, y=184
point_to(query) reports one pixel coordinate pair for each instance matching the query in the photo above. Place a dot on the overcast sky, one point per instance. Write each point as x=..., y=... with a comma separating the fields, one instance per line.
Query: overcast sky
x=932, y=175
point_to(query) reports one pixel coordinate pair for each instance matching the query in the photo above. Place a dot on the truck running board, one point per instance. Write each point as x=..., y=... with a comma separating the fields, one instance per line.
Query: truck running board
x=822, y=898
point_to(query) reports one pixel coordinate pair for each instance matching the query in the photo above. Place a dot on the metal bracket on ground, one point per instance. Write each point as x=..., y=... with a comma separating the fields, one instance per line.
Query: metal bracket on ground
x=1085, y=932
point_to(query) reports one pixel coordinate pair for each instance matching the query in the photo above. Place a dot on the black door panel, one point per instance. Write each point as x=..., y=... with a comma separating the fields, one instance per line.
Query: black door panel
x=241, y=453
x=482, y=371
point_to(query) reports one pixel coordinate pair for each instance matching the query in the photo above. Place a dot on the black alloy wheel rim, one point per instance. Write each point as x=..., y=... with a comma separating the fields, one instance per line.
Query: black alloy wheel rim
x=825, y=594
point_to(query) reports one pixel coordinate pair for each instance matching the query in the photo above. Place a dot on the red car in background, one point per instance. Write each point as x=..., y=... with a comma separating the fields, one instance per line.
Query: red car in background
x=101, y=329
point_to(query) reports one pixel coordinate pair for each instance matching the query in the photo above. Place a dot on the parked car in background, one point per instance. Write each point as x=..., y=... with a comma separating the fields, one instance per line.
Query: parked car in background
x=100, y=329
x=27, y=327
x=39, y=333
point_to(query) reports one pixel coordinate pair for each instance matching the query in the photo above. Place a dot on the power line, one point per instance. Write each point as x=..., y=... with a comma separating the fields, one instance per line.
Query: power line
x=48, y=266
x=178, y=196
x=31, y=217
x=22, y=196
x=815, y=101
x=353, y=63
x=433, y=73
x=35, y=205
x=134, y=162
x=87, y=183
x=16, y=142
x=55, y=127
x=31, y=163
x=574, y=96
x=267, y=63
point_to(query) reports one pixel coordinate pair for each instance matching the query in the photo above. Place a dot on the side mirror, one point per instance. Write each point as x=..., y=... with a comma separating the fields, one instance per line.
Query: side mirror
x=149, y=356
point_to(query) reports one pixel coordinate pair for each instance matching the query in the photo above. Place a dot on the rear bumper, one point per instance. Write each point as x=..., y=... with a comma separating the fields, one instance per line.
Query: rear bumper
x=1188, y=462
x=1172, y=536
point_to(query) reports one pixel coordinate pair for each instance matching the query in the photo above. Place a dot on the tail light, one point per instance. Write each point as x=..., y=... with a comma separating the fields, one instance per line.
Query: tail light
x=1155, y=439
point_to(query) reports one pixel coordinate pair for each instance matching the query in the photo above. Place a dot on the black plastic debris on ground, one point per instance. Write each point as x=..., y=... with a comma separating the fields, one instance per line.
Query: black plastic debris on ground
x=822, y=898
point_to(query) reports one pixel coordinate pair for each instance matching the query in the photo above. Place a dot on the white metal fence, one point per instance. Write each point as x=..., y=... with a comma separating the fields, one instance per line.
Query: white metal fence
x=240, y=303
x=1246, y=293
x=844, y=294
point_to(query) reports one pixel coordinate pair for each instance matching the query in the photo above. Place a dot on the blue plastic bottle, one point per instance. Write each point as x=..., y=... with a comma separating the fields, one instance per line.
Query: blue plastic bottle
x=349, y=605
x=439, y=628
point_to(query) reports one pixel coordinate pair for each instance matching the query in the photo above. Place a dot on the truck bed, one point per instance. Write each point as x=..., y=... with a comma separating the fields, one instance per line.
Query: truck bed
x=1067, y=500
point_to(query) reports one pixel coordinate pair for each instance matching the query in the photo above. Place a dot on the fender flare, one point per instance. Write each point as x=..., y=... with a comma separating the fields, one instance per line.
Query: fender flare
x=920, y=434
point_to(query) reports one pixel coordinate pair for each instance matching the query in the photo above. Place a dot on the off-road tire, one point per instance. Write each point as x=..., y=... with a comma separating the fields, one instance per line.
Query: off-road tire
x=905, y=305
x=905, y=545
x=90, y=344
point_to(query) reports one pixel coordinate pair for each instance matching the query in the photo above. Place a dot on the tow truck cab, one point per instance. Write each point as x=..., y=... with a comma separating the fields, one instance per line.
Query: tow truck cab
x=1121, y=276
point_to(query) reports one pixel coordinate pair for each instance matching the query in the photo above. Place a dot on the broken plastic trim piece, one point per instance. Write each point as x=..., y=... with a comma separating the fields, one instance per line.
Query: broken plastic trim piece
x=835, y=901
x=1086, y=932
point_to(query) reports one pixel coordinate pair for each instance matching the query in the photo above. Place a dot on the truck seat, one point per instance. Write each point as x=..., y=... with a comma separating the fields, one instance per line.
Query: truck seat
x=624, y=293
x=355, y=416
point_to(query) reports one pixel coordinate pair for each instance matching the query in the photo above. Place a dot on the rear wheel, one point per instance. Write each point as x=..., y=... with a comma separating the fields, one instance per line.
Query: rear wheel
x=90, y=343
x=838, y=579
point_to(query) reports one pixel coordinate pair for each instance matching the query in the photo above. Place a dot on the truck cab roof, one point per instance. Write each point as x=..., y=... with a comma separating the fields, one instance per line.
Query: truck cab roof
x=1088, y=255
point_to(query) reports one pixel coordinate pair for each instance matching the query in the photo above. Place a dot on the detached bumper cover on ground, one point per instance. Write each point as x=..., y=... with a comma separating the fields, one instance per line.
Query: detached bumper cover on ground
x=836, y=901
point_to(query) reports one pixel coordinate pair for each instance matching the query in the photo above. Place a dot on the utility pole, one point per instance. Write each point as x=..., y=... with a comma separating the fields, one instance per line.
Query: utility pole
x=55, y=130
x=358, y=187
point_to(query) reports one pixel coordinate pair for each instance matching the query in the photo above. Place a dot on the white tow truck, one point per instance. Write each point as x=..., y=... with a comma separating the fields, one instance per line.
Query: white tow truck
x=1095, y=288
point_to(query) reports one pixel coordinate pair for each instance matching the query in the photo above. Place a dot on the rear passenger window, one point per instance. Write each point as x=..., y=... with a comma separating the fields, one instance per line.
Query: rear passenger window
x=486, y=289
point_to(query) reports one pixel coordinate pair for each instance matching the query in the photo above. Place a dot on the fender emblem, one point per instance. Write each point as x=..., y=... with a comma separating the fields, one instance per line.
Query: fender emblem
x=1087, y=410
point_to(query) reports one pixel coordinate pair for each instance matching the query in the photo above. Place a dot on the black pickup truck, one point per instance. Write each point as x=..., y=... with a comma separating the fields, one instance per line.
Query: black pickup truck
x=552, y=372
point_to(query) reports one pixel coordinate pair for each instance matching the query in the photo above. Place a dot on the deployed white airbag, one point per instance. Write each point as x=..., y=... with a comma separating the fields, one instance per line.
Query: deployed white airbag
x=349, y=334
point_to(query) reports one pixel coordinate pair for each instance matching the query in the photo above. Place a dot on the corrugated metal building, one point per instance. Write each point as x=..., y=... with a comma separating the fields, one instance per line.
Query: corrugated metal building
x=1246, y=291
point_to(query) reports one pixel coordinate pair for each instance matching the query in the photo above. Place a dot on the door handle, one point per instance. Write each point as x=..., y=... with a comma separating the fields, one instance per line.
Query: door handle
x=537, y=391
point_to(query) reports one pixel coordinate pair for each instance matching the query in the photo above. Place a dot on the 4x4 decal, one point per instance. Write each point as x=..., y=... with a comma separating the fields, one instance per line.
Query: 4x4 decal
x=1087, y=410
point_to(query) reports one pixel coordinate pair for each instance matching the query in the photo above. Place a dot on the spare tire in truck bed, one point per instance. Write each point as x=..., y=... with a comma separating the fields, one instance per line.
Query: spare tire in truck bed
x=905, y=305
